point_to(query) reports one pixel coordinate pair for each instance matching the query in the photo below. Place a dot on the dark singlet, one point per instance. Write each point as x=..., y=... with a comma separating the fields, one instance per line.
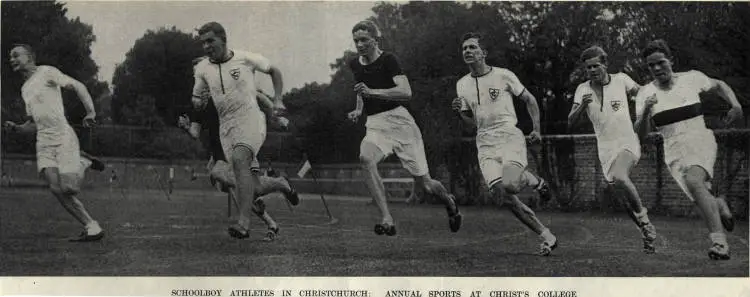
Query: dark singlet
x=377, y=75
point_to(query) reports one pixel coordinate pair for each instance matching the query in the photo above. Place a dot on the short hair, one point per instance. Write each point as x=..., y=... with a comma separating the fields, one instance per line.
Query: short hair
x=657, y=46
x=368, y=26
x=479, y=38
x=593, y=52
x=26, y=47
x=215, y=27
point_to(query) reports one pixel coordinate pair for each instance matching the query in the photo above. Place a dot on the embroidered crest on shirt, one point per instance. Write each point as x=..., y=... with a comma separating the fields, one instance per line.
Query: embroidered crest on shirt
x=235, y=73
x=494, y=93
x=616, y=105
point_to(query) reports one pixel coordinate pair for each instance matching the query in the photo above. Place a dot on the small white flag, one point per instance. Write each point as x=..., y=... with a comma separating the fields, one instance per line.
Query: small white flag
x=304, y=169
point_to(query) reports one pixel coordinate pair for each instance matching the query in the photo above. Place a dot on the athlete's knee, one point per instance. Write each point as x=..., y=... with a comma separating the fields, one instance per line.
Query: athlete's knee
x=512, y=187
x=367, y=161
x=695, y=179
x=242, y=158
x=70, y=184
x=56, y=189
x=70, y=188
x=498, y=192
x=620, y=179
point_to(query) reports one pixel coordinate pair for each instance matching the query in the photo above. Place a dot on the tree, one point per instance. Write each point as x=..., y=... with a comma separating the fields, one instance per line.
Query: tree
x=159, y=65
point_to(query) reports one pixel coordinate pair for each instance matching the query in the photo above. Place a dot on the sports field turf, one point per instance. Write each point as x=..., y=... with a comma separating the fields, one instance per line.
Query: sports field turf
x=149, y=235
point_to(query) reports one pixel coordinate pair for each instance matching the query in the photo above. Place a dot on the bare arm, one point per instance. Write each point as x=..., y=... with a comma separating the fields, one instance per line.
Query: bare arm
x=360, y=103
x=643, y=123
x=575, y=114
x=83, y=94
x=468, y=118
x=278, y=82
x=533, y=108
x=401, y=92
x=265, y=103
x=723, y=90
x=27, y=127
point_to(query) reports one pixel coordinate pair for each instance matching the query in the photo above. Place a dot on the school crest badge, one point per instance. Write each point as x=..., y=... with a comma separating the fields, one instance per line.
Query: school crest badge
x=235, y=73
x=616, y=105
x=494, y=93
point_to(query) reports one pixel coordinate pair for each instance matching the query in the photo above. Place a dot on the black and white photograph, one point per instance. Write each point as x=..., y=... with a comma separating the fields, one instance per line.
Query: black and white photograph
x=375, y=139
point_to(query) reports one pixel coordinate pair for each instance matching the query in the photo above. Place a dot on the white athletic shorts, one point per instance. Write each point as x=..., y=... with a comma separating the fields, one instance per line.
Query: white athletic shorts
x=396, y=132
x=496, y=149
x=65, y=155
x=246, y=130
x=683, y=151
x=609, y=150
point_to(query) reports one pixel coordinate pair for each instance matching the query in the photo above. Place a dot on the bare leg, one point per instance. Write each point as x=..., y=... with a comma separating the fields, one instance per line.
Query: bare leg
x=370, y=156
x=242, y=158
x=515, y=178
x=695, y=179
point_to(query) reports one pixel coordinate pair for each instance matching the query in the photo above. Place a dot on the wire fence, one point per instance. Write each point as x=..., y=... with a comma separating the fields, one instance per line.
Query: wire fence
x=568, y=162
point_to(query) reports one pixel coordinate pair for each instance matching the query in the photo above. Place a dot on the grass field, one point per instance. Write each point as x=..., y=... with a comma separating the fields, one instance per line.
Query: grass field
x=149, y=235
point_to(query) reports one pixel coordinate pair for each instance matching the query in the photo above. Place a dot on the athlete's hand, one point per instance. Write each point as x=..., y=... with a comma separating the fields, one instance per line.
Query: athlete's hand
x=89, y=120
x=457, y=104
x=651, y=101
x=183, y=121
x=734, y=114
x=587, y=99
x=362, y=89
x=354, y=115
x=279, y=109
x=283, y=122
x=10, y=126
x=535, y=137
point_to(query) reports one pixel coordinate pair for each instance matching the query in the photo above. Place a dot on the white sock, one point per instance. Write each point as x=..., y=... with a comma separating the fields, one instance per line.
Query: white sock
x=93, y=228
x=643, y=216
x=547, y=235
x=718, y=237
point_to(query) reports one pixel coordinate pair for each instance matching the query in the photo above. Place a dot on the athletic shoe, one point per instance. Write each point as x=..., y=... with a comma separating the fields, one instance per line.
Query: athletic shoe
x=96, y=164
x=649, y=237
x=547, y=247
x=292, y=196
x=272, y=233
x=238, y=231
x=718, y=252
x=90, y=233
x=386, y=229
x=455, y=218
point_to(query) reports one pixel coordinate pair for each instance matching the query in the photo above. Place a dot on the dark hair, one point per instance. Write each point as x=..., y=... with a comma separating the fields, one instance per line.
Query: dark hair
x=593, y=52
x=470, y=35
x=215, y=27
x=657, y=46
x=26, y=47
x=368, y=26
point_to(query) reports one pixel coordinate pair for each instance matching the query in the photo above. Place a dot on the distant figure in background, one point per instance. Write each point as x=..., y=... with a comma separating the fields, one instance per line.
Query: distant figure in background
x=672, y=103
x=59, y=158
